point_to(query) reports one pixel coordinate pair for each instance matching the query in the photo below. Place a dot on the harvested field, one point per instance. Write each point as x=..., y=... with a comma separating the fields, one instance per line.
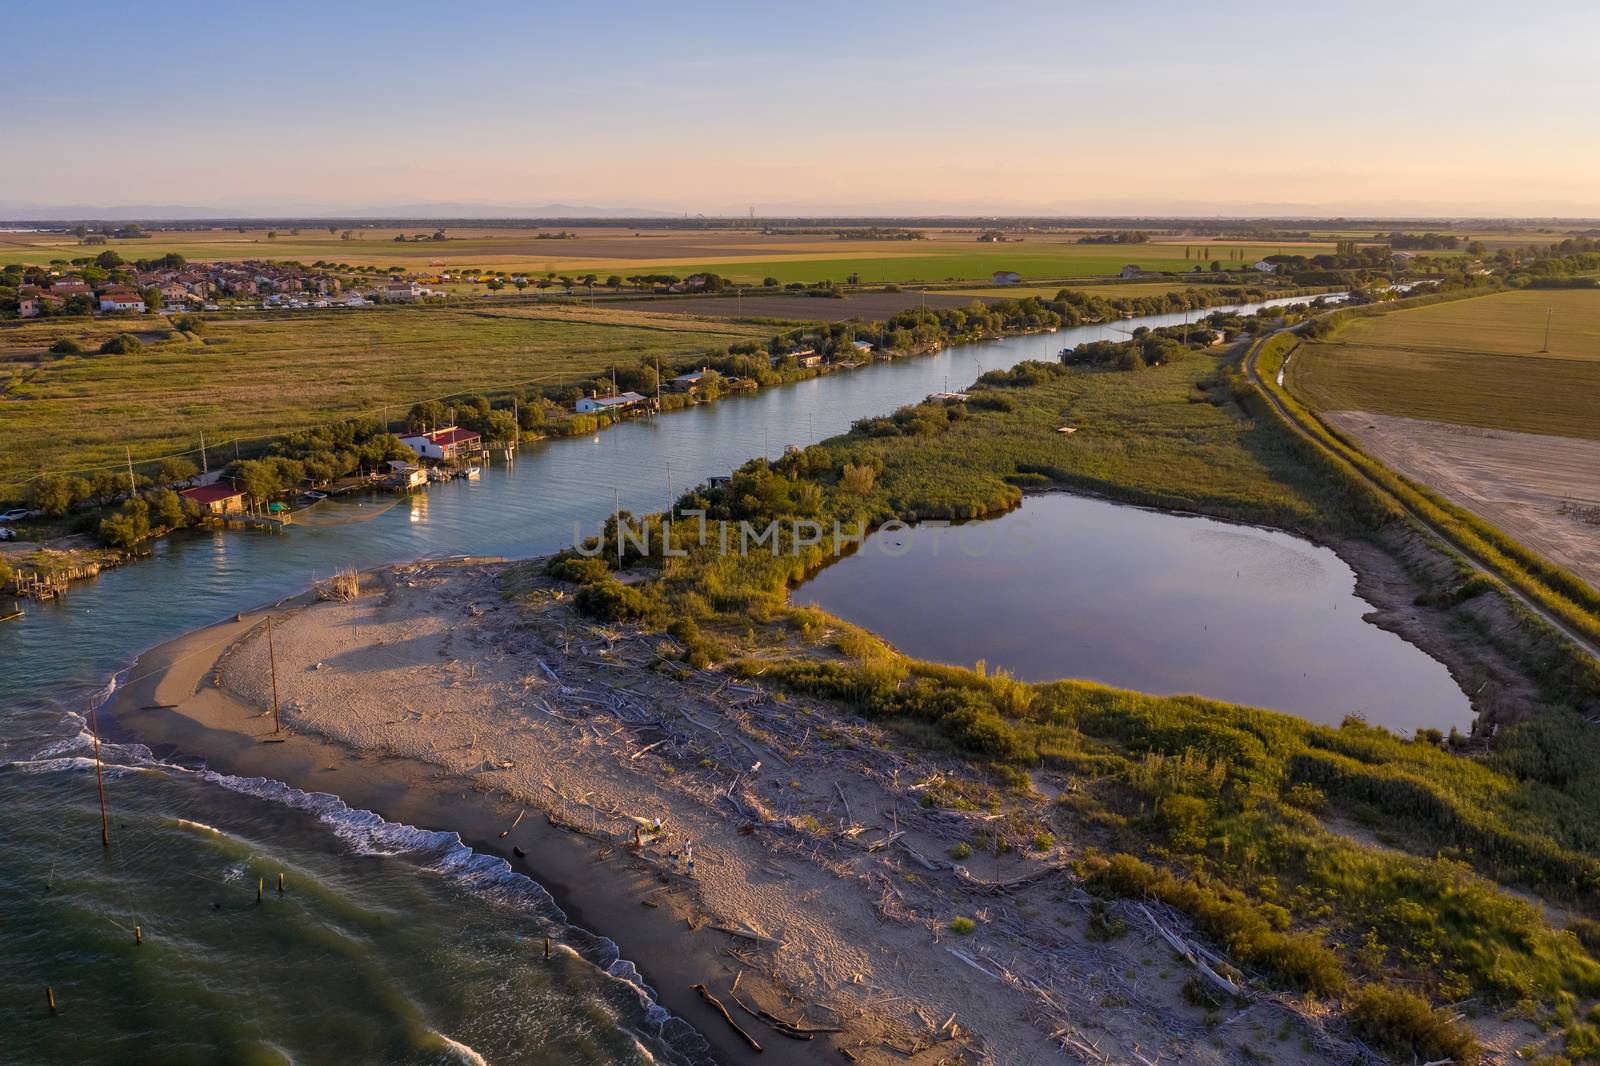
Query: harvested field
x=1542, y=490
x=1473, y=362
x=867, y=306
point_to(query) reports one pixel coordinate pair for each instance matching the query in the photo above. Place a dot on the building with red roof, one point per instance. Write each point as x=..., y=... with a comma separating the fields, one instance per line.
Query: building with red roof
x=443, y=444
x=219, y=497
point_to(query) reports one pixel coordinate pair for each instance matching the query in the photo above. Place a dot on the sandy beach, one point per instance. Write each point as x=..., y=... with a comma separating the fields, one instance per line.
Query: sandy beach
x=818, y=905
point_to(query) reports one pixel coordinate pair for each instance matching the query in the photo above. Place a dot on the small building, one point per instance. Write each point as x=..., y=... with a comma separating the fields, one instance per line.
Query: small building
x=71, y=287
x=621, y=402
x=404, y=475
x=217, y=498
x=864, y=347
x=443, y=444
x=404, y=290
x=688, y=382
x=116, y=299
x=1006, y=277
x=1265, y=267
x=1132, y=270
x=802, y=356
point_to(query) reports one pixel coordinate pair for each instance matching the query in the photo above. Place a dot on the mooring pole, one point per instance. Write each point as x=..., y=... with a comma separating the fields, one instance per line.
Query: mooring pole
x=272, y=659
x=99, y=782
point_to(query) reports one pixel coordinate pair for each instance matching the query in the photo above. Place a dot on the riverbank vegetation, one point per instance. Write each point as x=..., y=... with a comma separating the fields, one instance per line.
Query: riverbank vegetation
x=1382, y=873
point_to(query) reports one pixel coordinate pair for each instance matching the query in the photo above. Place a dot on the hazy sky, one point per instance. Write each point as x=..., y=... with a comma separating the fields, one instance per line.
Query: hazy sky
x=1412, y=107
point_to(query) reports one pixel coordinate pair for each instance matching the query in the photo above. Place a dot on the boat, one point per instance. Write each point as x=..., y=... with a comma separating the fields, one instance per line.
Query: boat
x=472, y=473
x=15, y=612
x=313, y=495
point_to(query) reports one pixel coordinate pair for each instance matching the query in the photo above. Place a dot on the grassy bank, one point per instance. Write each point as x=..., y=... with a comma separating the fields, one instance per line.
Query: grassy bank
x=1344, y=863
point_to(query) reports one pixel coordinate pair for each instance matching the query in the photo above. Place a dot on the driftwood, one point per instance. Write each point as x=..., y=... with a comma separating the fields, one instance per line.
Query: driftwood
x=1183, y=948
x=716, y=1004
x=505, y=832
x=747, y=934
x=776, y=1023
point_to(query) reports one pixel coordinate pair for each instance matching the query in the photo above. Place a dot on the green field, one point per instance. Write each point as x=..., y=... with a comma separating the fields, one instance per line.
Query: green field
x=1473, y=362
x=743, y=255
x=949, y=262
x=266, y=375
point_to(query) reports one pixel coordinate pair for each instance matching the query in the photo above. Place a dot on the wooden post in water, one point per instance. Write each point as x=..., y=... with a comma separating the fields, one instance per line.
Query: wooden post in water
x=272, y=659
x=50, y=998
x=100, y=782
x=261, y=882
x=547, y=947
x=280, y=882
x=138, y=935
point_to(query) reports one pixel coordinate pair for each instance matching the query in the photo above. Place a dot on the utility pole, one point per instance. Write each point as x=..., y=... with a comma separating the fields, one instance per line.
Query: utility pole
x=133, y=486
x=658, y=388
x=616, y=503
x=1547, y=313
x=205, y=467
x=669, y=490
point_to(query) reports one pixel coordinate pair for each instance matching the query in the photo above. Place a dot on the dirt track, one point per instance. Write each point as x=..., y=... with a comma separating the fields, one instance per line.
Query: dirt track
x=1539, y=489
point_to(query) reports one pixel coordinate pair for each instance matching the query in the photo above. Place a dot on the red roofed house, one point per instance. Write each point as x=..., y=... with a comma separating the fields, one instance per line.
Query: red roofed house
x=217, y=498
x=120, y=299
x=442, y=444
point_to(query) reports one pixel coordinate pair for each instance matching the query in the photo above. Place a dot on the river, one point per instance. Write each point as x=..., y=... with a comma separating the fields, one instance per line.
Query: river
x=212, y=981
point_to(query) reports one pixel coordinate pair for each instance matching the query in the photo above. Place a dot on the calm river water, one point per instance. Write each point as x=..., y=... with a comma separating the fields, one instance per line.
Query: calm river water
x=422, y=967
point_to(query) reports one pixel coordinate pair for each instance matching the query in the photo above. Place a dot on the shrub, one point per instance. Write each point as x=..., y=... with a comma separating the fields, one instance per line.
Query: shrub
x=578, y=569
x=1403, y=1024
x=613, y=601
x=121, y=344
x=1246, y=932
x=961, y=851
x=963, y=926
x=66, y=346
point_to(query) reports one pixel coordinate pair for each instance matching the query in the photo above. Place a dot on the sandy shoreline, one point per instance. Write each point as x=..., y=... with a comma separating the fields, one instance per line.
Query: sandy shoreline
x=435, y=701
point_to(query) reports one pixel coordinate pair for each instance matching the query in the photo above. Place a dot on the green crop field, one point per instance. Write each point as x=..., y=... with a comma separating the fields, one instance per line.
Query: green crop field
x=743, y=255
x=1474, y=362
x=265, y=375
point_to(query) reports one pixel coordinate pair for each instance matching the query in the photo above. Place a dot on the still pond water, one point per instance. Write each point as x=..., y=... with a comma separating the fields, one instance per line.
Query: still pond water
x=1067, y=586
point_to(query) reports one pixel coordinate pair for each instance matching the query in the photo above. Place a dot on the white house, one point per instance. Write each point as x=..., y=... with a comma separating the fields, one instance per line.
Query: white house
x=589, y=404
x=1006, y=277
x=442, y=444
x=1266, y=267
x=404, y=290
x=121, y=300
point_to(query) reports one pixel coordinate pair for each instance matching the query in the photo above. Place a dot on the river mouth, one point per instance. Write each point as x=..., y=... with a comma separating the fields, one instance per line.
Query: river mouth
x=1072, y=587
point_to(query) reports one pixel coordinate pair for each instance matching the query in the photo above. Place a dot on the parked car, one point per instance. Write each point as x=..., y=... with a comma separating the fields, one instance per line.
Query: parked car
x=14, y=515
x=7, y=533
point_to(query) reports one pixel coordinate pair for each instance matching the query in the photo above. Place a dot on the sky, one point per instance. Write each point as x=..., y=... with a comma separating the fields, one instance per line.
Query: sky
x=1357, y=108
